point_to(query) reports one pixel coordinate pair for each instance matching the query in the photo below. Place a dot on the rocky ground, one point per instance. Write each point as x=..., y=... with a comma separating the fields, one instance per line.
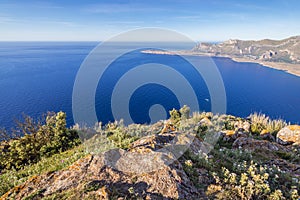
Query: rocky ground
x=204, y=157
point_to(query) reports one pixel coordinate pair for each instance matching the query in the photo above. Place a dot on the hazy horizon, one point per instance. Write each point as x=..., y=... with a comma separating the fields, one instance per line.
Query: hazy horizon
x=98, y=21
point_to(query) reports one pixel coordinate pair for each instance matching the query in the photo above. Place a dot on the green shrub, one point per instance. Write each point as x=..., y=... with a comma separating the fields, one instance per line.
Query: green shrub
x=175, y=116
x=119, y=136
x=185, y=112
x=284, y=155
x=38, y=141
x=229, y=125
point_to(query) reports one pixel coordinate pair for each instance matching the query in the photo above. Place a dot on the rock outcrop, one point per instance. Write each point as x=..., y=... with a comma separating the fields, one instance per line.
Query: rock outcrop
x=289, y=135
x=253, y=144
x=171, y=163
x=115, y=173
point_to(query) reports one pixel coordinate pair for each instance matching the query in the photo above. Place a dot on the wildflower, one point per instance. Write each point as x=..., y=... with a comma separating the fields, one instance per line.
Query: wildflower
x=188, y=163
x=131, y=190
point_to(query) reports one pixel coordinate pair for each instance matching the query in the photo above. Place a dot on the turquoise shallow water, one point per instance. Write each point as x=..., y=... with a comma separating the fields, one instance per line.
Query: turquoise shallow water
x=39, y=77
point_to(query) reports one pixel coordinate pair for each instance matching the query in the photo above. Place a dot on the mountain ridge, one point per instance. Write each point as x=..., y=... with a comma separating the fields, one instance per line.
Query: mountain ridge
x=286, y=50
x=282, y=55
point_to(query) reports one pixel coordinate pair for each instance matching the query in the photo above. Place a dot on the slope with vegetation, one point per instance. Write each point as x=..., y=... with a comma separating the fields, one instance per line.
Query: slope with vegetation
x=228, y=158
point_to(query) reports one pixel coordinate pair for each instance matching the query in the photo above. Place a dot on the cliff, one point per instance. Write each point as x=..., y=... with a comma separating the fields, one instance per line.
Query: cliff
x=287, y=50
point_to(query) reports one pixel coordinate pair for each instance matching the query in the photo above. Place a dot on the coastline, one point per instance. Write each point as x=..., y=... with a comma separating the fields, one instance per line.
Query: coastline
x=293, y=69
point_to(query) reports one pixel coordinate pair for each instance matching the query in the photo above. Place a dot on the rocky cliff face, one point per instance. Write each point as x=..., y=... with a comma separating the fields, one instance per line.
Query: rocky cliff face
x=287, y=50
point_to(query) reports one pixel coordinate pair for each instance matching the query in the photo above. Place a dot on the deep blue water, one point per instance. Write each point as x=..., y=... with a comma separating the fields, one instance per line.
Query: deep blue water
x=39, y=77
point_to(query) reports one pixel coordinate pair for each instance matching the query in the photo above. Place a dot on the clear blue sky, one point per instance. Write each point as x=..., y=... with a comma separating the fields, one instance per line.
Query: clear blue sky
x=92, y=20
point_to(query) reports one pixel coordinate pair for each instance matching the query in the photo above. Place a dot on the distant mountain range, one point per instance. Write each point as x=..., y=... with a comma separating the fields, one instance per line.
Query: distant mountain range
x=287, y=50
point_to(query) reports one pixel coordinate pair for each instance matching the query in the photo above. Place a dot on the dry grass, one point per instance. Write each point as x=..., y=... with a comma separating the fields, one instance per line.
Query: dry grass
x=260, y=122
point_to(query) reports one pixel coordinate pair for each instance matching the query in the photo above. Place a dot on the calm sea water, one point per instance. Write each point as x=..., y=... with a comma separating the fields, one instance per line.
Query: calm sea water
x=39, y=77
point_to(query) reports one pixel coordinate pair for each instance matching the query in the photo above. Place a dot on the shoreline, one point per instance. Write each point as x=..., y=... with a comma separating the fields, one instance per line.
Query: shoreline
x=289, y=68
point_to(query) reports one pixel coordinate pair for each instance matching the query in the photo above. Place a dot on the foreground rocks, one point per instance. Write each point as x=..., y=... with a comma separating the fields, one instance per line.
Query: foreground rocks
x=154, y=166
x=289, y=135
x=92, y=176
x=115, y=173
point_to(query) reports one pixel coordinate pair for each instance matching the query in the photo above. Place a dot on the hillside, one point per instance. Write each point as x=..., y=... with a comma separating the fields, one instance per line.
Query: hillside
x=283, y=55
x=204, y=156
x=287, y=50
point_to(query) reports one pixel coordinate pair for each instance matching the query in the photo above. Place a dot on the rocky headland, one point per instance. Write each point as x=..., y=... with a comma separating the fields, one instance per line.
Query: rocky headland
x=278, y=54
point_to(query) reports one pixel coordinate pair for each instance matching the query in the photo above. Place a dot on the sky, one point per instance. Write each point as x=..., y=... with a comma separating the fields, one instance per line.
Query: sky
x=98, y=20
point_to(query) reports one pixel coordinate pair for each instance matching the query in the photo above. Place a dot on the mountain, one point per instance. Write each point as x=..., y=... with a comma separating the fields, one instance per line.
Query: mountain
x=286, y=50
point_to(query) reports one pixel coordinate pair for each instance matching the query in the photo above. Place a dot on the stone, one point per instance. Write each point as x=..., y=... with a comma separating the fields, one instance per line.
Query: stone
x=229, y=132
x=205, y=121
x=106, y=174
x=246, y=126
x=242, y=126
x=231, y=135
x=252, y=144
x=266, y=135
x=289, y=135
x=168, y=127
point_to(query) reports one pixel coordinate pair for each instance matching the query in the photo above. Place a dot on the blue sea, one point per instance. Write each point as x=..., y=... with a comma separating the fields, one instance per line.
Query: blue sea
x=36, y=77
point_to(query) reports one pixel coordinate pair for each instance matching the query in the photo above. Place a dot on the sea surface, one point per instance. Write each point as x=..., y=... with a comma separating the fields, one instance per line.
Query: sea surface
x=36, y=77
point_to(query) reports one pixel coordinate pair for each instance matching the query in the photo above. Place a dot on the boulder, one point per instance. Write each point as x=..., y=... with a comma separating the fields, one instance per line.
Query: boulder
x=231, y=135
x=205, y=121
x=289, y=135
x=242, y=126
x=266, y=135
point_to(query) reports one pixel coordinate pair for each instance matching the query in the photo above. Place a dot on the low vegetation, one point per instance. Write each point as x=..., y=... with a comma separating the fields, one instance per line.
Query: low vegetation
x=250, y=182
x=261, y=122
x=12, y=178
x=223, y=171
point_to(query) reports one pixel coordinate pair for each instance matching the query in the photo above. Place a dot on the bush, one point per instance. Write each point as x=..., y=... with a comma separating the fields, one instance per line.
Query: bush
x=185, y=112
x=253, y=182
x=249, y=185
x=175, y=116
x=38, y=141
x=260, y=122
x=119, y=136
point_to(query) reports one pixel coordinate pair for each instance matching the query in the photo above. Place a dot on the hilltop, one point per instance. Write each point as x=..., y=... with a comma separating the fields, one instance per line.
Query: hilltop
x=203, y=156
